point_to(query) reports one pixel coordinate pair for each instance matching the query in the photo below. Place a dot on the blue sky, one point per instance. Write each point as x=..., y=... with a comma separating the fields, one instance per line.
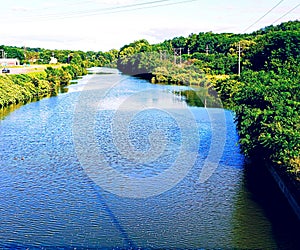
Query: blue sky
x=104, y=25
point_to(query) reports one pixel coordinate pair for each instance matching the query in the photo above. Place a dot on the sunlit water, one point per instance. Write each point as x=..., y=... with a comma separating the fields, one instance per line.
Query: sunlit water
x=56, y=189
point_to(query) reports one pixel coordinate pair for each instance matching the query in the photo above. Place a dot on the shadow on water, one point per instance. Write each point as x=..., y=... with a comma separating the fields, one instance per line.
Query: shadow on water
x=261, y=195
x=260, y=188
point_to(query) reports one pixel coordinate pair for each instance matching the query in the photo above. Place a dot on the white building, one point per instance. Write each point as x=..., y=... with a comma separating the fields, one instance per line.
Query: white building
x=53, y=60
x=9, y=61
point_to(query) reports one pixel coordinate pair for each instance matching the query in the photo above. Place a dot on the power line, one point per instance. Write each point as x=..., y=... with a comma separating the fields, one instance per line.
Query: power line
x=286, y=13
x=263, y=16
x=94, y=11
x=125, y=6
x=116, y=9
x=155, y=6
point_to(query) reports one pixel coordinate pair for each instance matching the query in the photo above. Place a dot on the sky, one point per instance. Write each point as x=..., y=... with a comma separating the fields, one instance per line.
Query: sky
x=101, y=25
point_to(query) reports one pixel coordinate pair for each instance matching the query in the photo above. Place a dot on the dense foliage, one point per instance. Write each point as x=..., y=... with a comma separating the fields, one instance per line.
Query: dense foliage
x=265, y=97
x=21, y=88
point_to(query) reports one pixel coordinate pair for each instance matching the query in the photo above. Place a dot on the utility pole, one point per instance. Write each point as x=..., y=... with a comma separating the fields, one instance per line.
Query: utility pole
x=188, y=51
x=207, y=49
x=3, y=53
x=163, y=55
x=180, y=55
x=25, y=52
x=239, y=66
x=177, y=53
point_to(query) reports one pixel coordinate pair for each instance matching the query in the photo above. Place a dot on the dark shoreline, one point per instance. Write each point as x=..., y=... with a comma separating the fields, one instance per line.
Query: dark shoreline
x=288, y=187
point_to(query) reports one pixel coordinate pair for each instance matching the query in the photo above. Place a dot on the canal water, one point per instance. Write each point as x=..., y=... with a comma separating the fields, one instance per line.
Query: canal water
x=117, y=162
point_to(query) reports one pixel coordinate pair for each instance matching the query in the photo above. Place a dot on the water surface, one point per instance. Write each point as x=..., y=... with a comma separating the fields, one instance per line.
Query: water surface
x=58, y=155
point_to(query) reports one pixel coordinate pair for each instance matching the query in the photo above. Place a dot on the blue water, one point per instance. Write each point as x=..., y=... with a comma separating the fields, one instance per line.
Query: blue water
x=94, y=168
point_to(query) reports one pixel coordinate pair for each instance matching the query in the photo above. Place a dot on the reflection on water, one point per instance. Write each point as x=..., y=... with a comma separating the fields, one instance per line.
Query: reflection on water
x=5, y=111
x=48, y=200
x=200, y=97
x=59, y=89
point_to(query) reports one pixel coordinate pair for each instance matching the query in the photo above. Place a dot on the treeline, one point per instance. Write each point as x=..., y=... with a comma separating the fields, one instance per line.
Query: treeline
x=43, y=56
x=265, y=97
x=22, y=88
x=265, y=49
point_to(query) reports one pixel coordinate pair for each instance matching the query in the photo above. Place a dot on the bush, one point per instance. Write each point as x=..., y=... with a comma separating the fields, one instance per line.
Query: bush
x=22, y=88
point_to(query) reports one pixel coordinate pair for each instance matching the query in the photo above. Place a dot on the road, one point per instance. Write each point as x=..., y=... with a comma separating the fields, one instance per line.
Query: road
x=23, y=70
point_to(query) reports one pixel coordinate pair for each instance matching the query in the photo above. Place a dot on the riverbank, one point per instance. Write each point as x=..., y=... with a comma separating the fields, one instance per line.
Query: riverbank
x=35, y=82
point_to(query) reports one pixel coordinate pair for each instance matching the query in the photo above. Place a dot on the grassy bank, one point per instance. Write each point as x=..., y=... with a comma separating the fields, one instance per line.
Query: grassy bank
x=21, y=88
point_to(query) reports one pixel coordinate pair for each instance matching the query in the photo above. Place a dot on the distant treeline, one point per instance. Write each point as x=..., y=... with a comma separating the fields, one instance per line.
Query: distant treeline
x=43, y=56
x=265, y=97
